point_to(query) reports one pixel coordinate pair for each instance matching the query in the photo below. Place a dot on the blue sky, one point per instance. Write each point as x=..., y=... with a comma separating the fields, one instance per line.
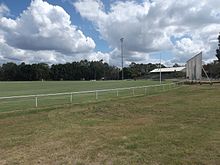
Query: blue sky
x=59, y=31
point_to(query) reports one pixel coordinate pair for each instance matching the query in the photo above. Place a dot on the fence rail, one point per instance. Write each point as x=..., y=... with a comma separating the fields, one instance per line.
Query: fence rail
x=93, y=95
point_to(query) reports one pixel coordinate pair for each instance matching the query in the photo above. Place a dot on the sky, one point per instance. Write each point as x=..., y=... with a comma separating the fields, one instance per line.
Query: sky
x=60, y=31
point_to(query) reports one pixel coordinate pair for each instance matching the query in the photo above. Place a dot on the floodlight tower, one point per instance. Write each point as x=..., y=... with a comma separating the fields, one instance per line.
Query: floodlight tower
x=160, y=69
x=122, y=59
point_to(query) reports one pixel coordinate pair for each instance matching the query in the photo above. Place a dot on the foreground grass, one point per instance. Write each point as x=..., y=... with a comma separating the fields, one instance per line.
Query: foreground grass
x=177, y=127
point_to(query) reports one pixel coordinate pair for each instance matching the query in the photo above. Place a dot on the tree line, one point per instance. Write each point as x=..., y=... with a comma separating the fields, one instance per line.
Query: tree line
x=82, y=70
x=212, y=69
x=86, y=70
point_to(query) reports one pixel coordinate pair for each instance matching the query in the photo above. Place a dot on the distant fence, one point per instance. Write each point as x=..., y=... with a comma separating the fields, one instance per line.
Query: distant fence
x=42, y=100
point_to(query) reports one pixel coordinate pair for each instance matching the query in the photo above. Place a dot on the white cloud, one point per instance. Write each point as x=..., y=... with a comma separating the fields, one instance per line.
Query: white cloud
x=11, y=54
x=151, y=26
x=96, y=56
x=4, y=10
x=188, y=46
x=43, y=33
x=94, y=9
x=45, y=27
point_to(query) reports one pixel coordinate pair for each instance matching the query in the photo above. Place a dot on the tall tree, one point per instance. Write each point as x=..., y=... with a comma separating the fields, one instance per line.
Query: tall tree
x=1, y=74
x=213, y=69
x=218, y=50
x=9, y=71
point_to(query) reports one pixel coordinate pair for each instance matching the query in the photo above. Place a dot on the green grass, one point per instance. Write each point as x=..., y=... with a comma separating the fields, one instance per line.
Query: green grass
x=38, y=87
x=48, y=87
x=177, y=127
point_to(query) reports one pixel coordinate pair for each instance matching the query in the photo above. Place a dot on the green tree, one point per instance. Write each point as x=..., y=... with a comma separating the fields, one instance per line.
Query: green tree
x=135, y=70
x=176, y=65
x=213, y=69
x=9, y=71
x=218, y=50
x=24, y=72
x=1, y=74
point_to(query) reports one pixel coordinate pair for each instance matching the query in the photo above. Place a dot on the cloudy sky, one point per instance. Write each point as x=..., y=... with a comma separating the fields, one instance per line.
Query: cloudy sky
x=59, y=31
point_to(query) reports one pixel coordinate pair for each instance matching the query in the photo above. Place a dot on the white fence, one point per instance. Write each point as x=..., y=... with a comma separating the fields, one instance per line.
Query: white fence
x=15, y=102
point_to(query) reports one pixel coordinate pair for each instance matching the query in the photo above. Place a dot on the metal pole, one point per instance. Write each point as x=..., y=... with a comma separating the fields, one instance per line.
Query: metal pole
x=206, y=75
x=122, y=59
x=71, y=97
x=96, y=95
x=160, y=68
x=36, y=102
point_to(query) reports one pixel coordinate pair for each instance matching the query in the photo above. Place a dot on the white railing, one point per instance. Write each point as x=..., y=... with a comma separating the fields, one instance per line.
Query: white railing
x=131, y=91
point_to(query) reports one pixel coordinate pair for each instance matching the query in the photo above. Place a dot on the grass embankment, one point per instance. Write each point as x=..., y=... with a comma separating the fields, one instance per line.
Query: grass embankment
x=177, y=127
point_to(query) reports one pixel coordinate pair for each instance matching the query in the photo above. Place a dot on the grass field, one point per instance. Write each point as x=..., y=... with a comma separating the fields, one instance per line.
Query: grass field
x=180, y=126
x=45, y=87
x=48, y=87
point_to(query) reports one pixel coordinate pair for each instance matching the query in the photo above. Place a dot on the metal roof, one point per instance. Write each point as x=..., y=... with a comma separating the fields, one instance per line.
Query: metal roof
x=174, y=69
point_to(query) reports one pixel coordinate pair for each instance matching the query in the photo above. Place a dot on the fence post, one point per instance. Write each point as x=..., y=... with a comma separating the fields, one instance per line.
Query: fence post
x=71, y=97
x=145, y=90
x=36, y=101
x=117, y=92
x=133, y=91
x=96, y=95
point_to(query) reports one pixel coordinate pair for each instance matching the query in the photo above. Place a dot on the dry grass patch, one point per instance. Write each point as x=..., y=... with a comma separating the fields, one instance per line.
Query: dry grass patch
x=179, y=127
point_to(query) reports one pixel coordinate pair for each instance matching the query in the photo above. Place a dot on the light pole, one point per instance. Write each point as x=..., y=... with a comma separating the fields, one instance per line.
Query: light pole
x=160, y=68
x=122, y=72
